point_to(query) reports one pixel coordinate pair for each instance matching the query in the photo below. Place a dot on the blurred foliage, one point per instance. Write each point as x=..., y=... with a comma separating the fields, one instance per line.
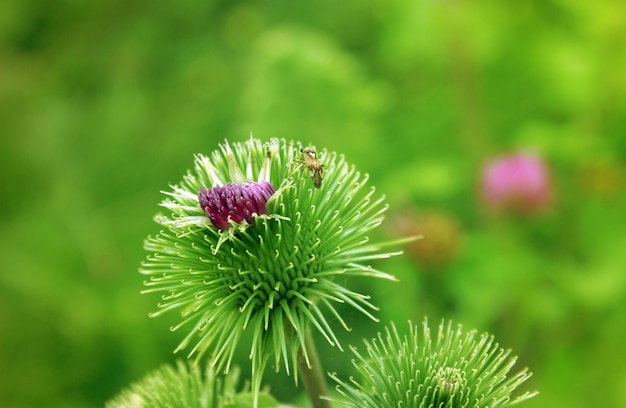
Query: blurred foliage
x=102, y=104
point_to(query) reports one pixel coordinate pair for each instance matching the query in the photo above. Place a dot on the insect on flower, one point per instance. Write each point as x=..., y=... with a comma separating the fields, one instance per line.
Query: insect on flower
x=314, y=166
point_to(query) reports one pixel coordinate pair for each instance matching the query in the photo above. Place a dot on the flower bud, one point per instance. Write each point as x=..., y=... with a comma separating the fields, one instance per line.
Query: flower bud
x=440, y=237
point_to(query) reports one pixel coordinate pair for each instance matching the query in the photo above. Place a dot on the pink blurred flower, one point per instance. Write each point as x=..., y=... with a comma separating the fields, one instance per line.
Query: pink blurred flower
x=518, y=183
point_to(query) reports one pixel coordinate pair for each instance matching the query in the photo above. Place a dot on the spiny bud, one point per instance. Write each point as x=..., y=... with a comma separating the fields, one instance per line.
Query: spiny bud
x=448, y=369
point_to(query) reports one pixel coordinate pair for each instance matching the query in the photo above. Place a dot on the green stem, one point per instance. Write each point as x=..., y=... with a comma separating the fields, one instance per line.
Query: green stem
x=313, y=376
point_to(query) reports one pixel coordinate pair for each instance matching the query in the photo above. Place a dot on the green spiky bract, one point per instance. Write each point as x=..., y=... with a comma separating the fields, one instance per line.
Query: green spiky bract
x=271, y=280
x=452, y=370
x=187, y=386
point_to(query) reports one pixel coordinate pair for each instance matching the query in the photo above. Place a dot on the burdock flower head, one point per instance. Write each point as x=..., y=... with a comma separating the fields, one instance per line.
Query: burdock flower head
x=449, y=370
x=253, y=242
x=235, y=202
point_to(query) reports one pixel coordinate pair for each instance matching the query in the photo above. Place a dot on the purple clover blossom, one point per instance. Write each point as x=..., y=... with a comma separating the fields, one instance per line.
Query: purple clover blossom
x=518, y=182
x=235, y=202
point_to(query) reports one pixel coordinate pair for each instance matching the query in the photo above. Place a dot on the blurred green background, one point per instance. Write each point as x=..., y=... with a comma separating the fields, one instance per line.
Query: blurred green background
x=103, y=104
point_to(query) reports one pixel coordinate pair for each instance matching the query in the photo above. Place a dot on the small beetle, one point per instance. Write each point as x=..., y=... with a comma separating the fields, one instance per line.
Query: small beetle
x=315, y=167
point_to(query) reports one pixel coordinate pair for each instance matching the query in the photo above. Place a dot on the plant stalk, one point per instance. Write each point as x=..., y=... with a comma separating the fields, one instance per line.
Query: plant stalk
x=313, y=377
